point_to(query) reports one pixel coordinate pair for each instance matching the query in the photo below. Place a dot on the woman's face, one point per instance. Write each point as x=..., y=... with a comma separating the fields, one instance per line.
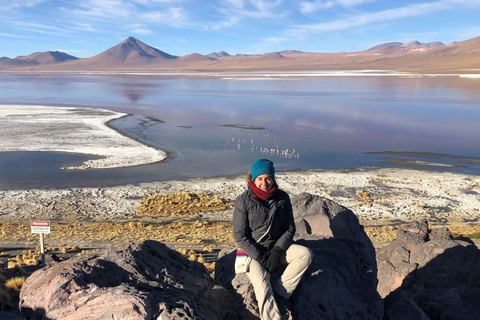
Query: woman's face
x=264, y=182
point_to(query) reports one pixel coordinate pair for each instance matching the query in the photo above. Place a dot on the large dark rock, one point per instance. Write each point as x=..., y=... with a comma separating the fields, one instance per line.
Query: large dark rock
x=341, y=283
x=439, y=273
x=138, y=281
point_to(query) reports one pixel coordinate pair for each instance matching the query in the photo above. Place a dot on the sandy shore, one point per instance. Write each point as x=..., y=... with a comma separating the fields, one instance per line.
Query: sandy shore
x=72, y=130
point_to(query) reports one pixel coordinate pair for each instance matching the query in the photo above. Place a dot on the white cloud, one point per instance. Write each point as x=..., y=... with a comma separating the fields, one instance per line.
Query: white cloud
x=363, y=19
x=263, y=5
x=307, y=7
x=140, y=29
x=167, y=16
x=2, y=34
x=236, y=3
x=39, y=28
x=229, y=22
x=106, y=8
x=8, y=5
x=83, y=27
x=352, y=3
x=275, y=40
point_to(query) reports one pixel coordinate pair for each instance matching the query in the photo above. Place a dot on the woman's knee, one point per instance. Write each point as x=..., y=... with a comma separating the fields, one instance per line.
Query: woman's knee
x=302, y=253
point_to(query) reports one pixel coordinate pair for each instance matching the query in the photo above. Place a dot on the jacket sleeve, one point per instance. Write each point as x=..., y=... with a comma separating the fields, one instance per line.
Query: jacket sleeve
x=288, y=227
x=241, y=229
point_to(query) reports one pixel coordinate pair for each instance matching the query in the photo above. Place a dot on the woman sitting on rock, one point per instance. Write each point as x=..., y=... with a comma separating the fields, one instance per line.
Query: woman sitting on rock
x=264, y=227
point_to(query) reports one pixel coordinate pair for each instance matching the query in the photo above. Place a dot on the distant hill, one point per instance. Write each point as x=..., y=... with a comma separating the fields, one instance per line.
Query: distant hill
x=385, y=45
x=218, y=54
x=401, y=48
x=37, y=58
x=195, y=57
x=134, y=55
x=47, y=57
x=460, y=56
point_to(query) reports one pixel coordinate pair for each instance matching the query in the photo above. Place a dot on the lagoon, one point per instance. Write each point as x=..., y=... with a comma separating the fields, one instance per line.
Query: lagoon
x=217, y=125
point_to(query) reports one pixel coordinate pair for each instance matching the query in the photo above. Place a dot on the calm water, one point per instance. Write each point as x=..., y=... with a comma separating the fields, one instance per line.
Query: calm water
x=309, y=123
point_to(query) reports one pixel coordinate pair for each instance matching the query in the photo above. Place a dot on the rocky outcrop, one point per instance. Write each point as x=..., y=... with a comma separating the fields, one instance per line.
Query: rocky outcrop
x=430, y=273
x=424, y=274
x=138, y=281
x=342, y=279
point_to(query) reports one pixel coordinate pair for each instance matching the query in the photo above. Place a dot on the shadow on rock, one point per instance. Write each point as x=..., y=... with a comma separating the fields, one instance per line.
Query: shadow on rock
x=137, y=281
x=427, y=274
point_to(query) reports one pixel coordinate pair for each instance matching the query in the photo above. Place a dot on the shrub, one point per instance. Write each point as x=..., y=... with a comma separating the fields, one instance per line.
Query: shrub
x=15, y=284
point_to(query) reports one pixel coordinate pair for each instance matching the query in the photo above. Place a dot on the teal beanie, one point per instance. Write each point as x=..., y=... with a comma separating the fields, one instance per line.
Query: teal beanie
x=261, y=166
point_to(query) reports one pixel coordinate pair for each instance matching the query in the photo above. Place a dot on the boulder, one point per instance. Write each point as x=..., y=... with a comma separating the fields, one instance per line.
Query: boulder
x=341, y=282
x=437, y=272
x=399, y=306
x=137, y=281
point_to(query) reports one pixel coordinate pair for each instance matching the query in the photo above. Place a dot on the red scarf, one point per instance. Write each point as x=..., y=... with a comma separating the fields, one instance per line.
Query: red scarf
x=263, y=195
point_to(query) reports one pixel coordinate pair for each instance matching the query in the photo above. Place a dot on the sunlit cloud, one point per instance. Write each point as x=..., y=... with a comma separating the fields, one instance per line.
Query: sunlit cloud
x=367, y=18
x=263, y=5
x=307, y=7
x=105, y=8
x=254, y=9
x=78, y=26
x=39, y=28
x=227, y=23
x=168, y=16
x=140, y=29
x=275, y=40
x=2, y=34
x=18, y=4
x=235, y=3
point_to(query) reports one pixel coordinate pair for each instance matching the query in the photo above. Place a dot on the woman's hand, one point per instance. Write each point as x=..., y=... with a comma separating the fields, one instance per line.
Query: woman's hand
x=274, y=259
x=263, y=259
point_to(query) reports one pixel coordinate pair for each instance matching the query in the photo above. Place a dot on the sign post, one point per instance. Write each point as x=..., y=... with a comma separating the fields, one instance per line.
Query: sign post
x=41, y=227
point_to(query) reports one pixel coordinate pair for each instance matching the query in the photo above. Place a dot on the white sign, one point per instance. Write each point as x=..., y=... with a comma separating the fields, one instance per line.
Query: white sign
x=40, y=226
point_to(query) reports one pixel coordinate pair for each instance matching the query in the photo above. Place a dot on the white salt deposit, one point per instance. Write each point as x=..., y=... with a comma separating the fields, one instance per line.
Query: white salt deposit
x=72, y=130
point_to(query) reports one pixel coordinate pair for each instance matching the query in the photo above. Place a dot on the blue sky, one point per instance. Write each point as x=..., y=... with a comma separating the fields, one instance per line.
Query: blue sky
x=84, y=28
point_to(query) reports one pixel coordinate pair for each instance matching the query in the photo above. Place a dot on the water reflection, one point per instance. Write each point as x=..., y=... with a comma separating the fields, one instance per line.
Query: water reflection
x=135, y=91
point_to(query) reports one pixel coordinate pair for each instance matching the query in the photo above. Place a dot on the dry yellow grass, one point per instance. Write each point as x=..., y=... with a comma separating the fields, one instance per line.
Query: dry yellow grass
x=15, y=284
x=180, y=205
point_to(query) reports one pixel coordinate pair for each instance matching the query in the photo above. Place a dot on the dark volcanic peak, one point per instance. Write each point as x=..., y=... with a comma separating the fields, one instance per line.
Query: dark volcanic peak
x=4, y=58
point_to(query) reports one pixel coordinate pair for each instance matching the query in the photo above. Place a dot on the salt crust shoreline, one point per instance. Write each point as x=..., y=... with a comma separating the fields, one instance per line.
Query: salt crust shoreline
x=72, y=130
x=376, y=196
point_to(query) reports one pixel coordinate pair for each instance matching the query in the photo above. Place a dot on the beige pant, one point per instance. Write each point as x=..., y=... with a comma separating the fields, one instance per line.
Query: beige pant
x=298, y=258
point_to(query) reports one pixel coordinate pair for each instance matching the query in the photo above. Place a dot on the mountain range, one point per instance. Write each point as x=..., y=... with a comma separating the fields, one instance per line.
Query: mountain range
x=134, y=55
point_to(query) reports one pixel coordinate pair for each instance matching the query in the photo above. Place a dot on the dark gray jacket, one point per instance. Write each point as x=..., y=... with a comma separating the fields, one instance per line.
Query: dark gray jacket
x=252, y=218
